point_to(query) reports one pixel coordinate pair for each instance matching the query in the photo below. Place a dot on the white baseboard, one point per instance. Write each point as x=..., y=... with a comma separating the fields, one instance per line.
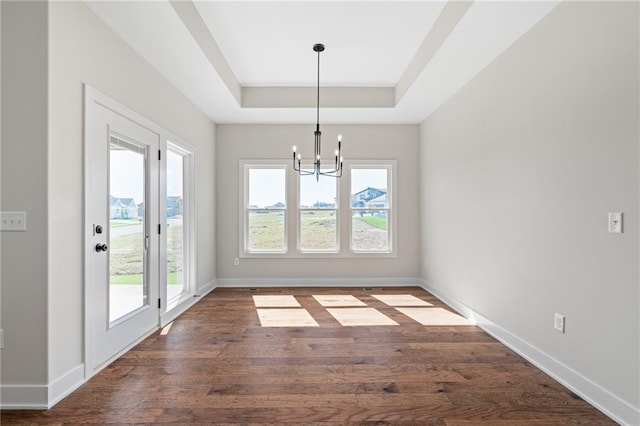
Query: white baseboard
x=41, y=397
x=207, y=288
x=602, y=399
x=64, y=385
x=24, y=397
x=181, y=307
x=317, y=282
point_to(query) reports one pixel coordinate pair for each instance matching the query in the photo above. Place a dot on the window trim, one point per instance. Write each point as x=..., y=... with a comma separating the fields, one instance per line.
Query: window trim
x=390, y=209
x=392, y=213
x=245, y=166
x=292, y=212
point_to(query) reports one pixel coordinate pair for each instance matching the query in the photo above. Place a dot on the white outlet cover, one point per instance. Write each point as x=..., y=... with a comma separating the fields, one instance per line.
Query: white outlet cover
x=13, y=221
x=559, y=323
x=615, y=222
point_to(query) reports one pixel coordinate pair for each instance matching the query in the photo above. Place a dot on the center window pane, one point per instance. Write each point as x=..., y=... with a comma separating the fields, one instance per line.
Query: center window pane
x=317, y=194
x=318, y=230
x=318, y=214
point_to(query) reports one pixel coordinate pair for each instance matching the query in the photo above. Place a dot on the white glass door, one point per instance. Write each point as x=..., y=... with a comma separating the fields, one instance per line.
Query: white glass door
x=177, y=226
x=122, y=243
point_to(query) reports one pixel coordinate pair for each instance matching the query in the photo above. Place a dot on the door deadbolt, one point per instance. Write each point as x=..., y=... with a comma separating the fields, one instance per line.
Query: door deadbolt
x=101, y=247
x=98, y=229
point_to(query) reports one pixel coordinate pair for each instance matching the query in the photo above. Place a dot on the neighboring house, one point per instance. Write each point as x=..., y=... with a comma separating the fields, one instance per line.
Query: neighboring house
x=278, y=205
x=378, y=202
x=362, y=198
x=123, y=208
x=174, y=206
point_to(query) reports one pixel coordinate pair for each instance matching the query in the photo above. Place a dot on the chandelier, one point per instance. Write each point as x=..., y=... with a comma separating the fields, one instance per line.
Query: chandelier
x=335, y=170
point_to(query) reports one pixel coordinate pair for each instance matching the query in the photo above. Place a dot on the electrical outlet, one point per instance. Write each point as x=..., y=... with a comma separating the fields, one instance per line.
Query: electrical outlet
x=559, y=323
x=14, y=221
x=236, y=262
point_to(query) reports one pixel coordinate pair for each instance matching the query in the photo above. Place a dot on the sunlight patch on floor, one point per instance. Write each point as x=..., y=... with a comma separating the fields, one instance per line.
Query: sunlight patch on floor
x=433, y=316
x=286, y=318
x=332, y=300
x=277, y=301
x=400, y=300
x=348, y=317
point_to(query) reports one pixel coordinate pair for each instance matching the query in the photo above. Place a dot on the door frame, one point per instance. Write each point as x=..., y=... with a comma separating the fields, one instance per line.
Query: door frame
x=93, y=98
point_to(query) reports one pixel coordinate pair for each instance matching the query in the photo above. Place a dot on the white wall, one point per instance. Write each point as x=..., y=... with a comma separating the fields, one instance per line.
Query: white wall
x=520, y=169
x=43, y=159
x=235, y=142
x=24, y=177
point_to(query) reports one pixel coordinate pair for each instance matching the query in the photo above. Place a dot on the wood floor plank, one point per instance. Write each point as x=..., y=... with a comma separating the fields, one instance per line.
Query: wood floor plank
x=217, y=365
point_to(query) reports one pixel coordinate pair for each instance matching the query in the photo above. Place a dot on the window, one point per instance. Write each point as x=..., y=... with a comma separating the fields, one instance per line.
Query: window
x=318, y=214
x=287, y=215
x=371, y=208
x=265, y=209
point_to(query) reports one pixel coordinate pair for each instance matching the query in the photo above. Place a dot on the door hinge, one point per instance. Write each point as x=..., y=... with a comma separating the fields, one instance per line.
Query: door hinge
x=159, y=155
x=159, y=229
x=159, y=303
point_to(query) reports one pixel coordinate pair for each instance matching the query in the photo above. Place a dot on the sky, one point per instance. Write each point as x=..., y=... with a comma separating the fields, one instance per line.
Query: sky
x=127, y=175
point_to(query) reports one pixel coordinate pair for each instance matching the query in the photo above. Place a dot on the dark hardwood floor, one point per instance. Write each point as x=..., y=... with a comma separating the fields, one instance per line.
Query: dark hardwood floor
x=218, y=365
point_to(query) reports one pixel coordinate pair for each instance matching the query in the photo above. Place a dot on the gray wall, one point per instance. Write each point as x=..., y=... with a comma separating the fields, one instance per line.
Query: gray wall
x=46, y=60
x=520, y=169
x=24, y=188
x=84, y=50
x=236, y=142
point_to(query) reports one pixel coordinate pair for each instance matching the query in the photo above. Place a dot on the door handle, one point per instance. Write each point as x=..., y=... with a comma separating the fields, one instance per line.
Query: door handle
x=101, y=247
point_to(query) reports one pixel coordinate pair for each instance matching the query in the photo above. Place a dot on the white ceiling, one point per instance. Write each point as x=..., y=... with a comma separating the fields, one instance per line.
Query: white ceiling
x=386, y=62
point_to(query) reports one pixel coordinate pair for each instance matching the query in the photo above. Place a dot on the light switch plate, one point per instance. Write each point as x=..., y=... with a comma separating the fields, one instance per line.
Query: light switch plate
x=13, y=221
x=615, y=222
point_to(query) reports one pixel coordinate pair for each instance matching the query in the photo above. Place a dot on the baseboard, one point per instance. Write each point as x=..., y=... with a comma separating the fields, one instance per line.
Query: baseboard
x=24, y=397
x=65, y=384
x=207, y=288
x=183, y=306
x=605, y=401
x=41, y=397
x=317, y=282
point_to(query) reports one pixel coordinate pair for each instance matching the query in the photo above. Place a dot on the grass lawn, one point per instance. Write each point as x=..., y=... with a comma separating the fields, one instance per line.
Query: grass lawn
x=136, y=279
x=318, y=230
x=119, y=223
x=375, y=221
x=126, y=256
x=266, y=230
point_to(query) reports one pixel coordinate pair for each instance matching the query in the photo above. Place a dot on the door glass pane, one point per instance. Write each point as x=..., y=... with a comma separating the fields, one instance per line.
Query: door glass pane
x=127, y=280
x=175, y=225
